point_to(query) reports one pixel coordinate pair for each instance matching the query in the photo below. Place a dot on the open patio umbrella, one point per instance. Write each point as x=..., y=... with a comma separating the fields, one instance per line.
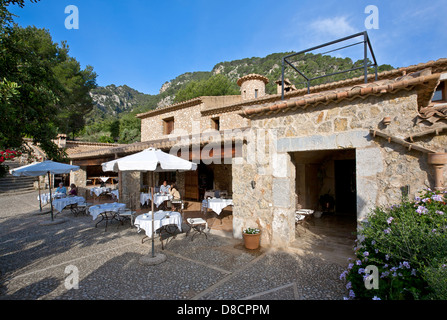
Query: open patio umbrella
x=153, y=160
x=42, y=168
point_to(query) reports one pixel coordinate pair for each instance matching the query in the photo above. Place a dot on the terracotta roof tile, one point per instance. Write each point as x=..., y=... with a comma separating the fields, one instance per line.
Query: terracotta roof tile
x=428, y=82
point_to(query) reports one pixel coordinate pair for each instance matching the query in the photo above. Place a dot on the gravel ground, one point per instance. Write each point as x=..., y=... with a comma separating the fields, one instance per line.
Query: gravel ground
x=39, y=262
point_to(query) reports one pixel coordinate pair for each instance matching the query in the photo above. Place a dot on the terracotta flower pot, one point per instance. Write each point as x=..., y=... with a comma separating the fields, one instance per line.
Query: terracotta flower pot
x=251, y=241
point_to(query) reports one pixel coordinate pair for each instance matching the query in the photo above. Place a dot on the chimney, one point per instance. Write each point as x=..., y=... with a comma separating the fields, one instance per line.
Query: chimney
x=252, y=86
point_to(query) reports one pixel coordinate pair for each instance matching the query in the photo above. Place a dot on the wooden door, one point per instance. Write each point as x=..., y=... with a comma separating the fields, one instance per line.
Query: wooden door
x=192, y=185
x=345, y=186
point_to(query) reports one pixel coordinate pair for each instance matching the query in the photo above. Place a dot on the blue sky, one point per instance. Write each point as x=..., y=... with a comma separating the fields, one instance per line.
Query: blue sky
x=144, y=43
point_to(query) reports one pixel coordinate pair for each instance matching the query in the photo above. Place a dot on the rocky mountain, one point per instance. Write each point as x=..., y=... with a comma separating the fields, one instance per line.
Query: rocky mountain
x=113, y=102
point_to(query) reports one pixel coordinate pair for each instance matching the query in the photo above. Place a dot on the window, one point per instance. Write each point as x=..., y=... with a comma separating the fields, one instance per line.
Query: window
x=168, y=125
x=256, y=93
x=440, y=93
x=215, y=124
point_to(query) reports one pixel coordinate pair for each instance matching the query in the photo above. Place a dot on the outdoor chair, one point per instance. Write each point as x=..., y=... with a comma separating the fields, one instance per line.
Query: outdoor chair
x=178, y=205
x=80, y=208
x=302, y=218
x=198, y=225
x=125, y=214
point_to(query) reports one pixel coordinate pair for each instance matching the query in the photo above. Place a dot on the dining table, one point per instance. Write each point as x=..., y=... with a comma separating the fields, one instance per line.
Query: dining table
x=107, y=211
x=45, y=197
x=217, y=204
x=159, y=198
x=168, y=221
x=99, y=209
x=61, y=203
x=99, y=190
x=116, y=194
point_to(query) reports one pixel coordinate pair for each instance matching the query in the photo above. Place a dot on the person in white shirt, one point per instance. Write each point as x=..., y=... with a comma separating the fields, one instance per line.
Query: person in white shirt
x=164, y=188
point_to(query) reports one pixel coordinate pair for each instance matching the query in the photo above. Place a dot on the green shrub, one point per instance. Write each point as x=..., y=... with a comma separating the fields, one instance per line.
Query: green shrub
x=408, y=245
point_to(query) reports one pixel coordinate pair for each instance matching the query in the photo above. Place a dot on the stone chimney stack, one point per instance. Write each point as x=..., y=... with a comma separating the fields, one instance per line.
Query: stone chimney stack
x=252, y=86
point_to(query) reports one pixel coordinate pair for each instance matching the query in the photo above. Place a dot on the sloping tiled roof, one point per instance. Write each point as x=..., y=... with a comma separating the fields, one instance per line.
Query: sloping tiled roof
x=427, y=85
x=171, y=107
x=252, y=76
x=164, y=144
x=433, y=113
x=437, y=66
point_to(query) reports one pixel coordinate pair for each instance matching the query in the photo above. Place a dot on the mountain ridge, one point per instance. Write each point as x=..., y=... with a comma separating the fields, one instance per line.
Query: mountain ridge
x=114, y=102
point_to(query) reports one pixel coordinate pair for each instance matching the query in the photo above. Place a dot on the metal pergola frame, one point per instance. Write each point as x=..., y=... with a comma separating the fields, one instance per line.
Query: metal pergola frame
x=366, y=46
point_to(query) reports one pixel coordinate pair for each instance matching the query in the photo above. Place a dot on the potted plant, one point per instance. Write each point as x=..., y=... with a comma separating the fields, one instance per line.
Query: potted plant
x=252, y=238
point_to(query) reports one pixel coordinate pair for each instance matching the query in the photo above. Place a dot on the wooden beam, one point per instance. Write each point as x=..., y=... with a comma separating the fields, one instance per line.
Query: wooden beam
x=91, y=162
x=436, y=131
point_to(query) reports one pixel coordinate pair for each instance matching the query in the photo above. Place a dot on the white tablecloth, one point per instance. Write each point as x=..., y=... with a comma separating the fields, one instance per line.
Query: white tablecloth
x=45, y=197
x=104, y=179
x=99, y=190
x=60, y=204
x=95, y=211
x=158, y=199
x=144, y=221
x=217, y=204
x=116, y=193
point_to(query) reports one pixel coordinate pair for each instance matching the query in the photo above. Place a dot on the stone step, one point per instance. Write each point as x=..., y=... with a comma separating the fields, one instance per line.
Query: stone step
x=16, y=186
x=12, y=179
x=16, y=192
x=13, y=184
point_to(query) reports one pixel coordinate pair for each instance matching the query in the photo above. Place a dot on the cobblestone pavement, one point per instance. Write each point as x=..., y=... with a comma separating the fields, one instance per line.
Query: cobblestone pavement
x=39, y=262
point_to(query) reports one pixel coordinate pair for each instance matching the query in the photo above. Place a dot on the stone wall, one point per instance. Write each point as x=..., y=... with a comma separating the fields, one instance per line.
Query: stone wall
x=79, y=177
x=382, y=167
x=227, y=120
x=152, y=128
x=129, y=188
x=194, y=119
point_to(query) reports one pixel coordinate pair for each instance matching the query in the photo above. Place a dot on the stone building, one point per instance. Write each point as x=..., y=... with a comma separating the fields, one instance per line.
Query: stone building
x=358, y=144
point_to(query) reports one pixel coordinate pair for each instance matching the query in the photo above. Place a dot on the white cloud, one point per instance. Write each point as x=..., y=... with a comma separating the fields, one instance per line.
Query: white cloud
x=336, y=27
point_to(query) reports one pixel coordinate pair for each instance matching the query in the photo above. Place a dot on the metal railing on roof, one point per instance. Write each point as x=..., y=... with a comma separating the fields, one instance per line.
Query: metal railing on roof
x=365, y=66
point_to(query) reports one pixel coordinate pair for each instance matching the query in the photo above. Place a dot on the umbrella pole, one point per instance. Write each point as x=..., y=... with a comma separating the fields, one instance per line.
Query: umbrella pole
x=51, y=199
x=153, y=213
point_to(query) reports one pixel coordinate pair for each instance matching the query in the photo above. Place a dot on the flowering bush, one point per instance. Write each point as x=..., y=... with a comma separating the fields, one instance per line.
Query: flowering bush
x=7, y=155
x=252, y=231
x=408, y=245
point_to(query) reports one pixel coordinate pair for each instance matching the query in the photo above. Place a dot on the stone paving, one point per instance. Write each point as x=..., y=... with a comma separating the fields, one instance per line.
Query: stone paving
x=39, y=262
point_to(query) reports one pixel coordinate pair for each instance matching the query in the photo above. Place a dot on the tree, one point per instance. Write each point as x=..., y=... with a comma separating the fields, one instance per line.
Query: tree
x=217, y=85
x=75, y=101
x=114, y=129
x=51, y=92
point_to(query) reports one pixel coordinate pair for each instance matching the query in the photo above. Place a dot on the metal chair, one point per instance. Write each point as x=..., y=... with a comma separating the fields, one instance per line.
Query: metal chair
x=81, y=208
x=125, y=214
x=198, y=225
x=302, y=218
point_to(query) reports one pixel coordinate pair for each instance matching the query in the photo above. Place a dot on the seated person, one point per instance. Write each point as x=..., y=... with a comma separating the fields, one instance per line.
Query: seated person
x=73, y=190
x=175, y=195
x=164, y=188
x=61, y=188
